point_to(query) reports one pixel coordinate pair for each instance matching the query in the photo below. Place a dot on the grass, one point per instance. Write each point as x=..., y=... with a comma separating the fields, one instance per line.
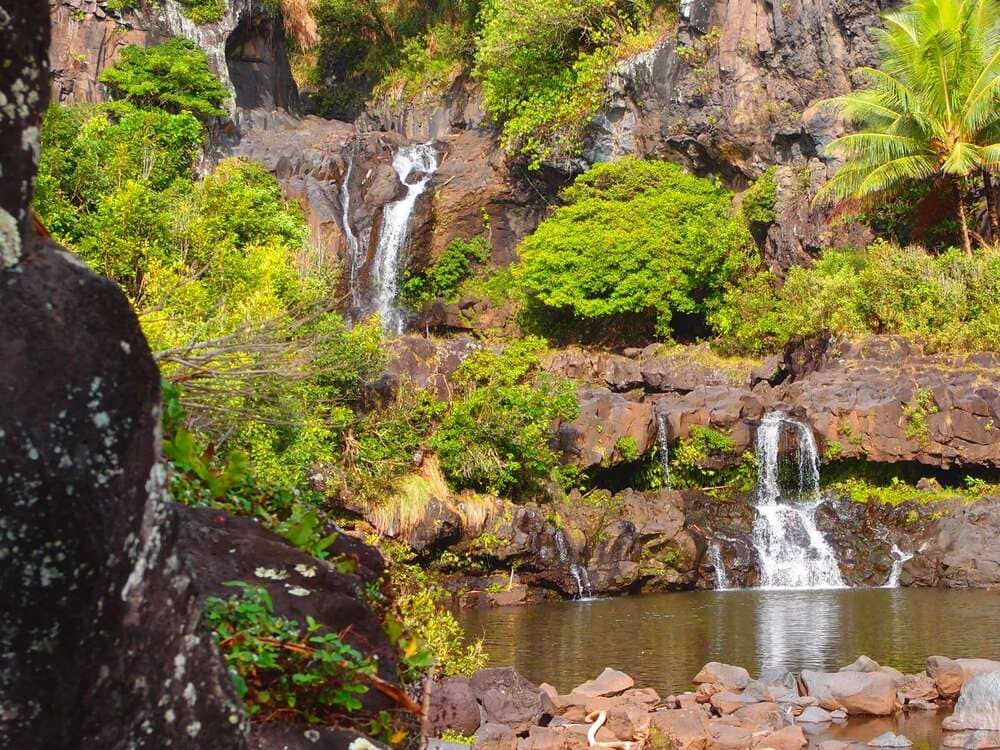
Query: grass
x=897, y=491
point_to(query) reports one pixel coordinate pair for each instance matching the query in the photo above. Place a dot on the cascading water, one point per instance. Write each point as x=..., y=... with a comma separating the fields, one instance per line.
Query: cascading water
x=714, y=554
x=355, y=258
x=793, y=552
x=663, y=444
x=422, y=160
x=899, y=558
x=579, y=573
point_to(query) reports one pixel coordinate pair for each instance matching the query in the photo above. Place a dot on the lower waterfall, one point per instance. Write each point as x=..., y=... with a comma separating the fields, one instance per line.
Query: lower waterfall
x=793, y=552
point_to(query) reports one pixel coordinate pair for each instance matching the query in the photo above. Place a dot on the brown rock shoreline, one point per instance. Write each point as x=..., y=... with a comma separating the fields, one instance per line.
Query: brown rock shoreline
x=498, y=709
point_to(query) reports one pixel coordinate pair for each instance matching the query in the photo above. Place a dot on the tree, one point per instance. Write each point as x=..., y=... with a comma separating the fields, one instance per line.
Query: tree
x=173, y=76
x=930, y=110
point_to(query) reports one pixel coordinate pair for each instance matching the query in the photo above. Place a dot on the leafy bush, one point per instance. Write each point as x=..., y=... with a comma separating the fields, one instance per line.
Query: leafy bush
x=496, y=435
x=758, y=199
x=204, y=11
x=173, y=76
x=428, y=63
x=443, y=278
x=419, y=623
x=636, y=237
x=947, y=300
x=689, y=458
x=280, y=667
x=544, y=64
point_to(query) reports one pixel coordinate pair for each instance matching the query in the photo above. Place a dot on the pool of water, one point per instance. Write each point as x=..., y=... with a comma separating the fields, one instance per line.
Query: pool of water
x=662, y=640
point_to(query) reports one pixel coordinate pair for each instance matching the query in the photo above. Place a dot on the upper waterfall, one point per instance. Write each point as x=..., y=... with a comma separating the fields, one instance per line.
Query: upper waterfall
x=422, y=160
x=793, y=551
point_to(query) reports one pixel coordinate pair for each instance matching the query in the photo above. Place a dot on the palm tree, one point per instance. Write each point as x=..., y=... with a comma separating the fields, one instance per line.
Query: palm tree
x=930, y=110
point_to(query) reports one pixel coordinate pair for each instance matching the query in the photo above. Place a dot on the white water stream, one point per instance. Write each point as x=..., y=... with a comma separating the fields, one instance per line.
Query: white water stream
x=793, y=552
x=420, y=160
x=663, y=443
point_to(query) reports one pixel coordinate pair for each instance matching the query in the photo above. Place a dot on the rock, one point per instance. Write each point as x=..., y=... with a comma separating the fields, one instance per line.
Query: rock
x=453, y=706
x=605, y=419
x=645, y=696
x=813, y=715
x=838, y=715
x=729, y=702
x=855, y=692
x=686, y=728
x=492, y=736
x=920, y=705
x=706, y=690
x=787, y=738
x=950, y=675
x=608, y=682
x=978, y=706
x=99, y=620
x=972, y=740
x=833, y=745
x=627, y=720
x=725, y=736
x=433, y=743
x=766, y=713
x=805, y=701
x=961, y=549
x=272, y=736
x=507, y=698
x=917, y=687
x=862, y=664
x=730, y=677
x=889, y=740
x=543, y=738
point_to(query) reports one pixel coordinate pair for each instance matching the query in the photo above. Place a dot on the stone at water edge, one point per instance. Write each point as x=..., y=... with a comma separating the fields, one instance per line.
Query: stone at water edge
x=508, y=698
x=858, y=693
x=452, y=705
x=978, y=706
x=973, y=740
x=890, y=740
x=730, y=677
x=687, y=728
x=788, y=738
x=492, y=736
x=862, y=664
x=833, y=745
x=950, y=675
x=814, y=715
x=608, y=682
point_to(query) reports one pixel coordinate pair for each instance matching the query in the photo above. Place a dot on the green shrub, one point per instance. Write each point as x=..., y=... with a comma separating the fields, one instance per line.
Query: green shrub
x=173, y=76
x=444, y=277
x=689, y=457
x=497, y=432
x=204, y=11
x=280, y=667
x=758, y=199
x=428, y=63
x=544, y=65
x=947, y=301
x=638, y=238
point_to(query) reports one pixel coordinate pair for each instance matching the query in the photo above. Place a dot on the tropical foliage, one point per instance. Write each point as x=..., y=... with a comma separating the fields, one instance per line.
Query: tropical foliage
x=929, y=111
x=636, y=238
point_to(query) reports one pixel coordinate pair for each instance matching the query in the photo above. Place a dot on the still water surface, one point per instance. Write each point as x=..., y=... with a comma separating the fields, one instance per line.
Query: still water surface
x=662, y=640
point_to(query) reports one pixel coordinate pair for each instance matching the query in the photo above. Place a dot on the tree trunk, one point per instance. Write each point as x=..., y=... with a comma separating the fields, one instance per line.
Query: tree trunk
x=960, y=198
x=991, y=207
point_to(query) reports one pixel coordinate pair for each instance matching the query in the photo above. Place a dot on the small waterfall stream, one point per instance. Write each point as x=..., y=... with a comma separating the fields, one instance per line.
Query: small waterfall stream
x=355, y=258
x=579, y=573
x=714, y=555
x=663, y=443
x=899, y=559
x=793, y=551
x=422, y=160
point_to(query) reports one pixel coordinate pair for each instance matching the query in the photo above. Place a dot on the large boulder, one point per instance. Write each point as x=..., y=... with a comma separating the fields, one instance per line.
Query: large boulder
x=607, y=422
x=452, y=705
x=978, y=706
x=508, y=698
x=961, y=550
x=950, y=675
x=862, y=693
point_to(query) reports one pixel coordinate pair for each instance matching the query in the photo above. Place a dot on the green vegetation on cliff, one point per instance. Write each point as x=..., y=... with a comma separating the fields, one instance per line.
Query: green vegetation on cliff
x=636, y=240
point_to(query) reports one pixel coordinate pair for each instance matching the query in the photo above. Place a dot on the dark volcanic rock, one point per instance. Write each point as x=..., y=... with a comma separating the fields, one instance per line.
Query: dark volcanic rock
x=99, y=639
x=282, y=737
x=961, y=551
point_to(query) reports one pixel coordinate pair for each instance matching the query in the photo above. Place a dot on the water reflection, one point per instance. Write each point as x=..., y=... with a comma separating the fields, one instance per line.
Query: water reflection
x=662, y=640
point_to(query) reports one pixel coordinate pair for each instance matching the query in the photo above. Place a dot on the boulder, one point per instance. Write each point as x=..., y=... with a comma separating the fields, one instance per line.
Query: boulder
x=889, y=740
x=452, y=705
x=492, y=736
x=862, y=664
x=730, y=677
x=604, y=422
x=915, y=687
x=972, y=740
x=767, y=714
x=960, y=550
x=508, y=698
x=950, y=675
x=608, y=682
x=855, y=692
x=273, y=736
x=729, y=702
x=686, y=728
x=978, y=706
x=814, y=715
x=787, y=738
x=724, y=736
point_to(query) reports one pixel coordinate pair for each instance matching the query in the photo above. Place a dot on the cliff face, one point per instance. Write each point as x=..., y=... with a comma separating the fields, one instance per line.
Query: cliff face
x=246, y=48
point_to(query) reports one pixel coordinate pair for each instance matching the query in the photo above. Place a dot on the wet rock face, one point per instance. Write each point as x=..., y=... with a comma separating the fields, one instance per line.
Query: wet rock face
x=961, y=550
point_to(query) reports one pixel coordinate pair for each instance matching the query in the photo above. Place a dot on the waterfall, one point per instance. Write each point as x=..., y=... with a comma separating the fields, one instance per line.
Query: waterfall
x=664, y=446
x=714, y=554
x=579, y=573
x=354, y=256
x=899, y=559
x=422, y=160
x=793, y=552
